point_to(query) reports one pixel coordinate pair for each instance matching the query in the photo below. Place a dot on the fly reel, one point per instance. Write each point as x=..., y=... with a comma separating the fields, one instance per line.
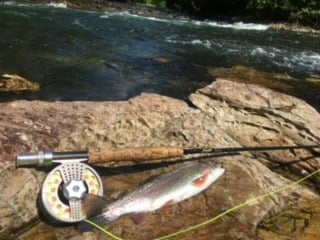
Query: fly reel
x=64, y=189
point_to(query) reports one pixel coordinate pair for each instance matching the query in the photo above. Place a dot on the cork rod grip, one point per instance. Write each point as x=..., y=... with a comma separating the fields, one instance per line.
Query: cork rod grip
x=133, y=154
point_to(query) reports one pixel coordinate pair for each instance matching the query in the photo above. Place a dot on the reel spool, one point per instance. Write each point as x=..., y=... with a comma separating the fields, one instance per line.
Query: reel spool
x=64, y=189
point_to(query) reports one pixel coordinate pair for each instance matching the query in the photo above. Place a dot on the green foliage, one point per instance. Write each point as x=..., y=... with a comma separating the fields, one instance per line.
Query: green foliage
x=290, y=5
x=158, y=3
x=304, y=11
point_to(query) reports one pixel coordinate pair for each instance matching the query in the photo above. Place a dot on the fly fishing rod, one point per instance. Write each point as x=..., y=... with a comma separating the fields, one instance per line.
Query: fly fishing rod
x=72, y=178
x=139, y=154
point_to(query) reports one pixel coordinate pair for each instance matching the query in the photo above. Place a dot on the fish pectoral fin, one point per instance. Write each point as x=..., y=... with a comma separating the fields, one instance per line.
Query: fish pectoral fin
x=138, y=218
x=168, y=204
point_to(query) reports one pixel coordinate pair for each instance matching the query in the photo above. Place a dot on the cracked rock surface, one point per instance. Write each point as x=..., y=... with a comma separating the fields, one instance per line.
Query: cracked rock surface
x=223, y=114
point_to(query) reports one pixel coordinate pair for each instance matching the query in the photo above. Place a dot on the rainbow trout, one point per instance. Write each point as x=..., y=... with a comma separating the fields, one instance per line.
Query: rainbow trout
x=163, y=191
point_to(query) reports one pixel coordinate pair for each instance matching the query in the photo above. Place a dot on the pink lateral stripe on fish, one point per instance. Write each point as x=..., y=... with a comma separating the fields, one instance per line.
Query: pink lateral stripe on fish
x=173, y=187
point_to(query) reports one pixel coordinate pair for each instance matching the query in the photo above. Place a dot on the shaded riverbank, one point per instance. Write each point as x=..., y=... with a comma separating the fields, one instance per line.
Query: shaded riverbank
x=152, y=11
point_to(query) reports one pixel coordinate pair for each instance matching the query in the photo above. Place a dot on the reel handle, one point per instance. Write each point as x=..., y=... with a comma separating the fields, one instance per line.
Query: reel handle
x=133, y=154
x=47, y=158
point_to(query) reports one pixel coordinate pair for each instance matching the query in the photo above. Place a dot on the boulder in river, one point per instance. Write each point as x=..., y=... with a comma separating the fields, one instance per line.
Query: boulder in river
x=15, y=83
x=246, y=74
x=223, y=114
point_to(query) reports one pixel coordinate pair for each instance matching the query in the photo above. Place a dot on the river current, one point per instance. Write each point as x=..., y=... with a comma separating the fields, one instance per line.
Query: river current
x=89, y=55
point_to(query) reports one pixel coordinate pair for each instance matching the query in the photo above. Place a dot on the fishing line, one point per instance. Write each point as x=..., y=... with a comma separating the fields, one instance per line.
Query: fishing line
x=105, y=231
x=249, y=202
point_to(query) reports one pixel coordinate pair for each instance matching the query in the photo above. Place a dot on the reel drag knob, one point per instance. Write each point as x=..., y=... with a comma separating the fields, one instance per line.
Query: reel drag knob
x=74, y=190
x=64, y=189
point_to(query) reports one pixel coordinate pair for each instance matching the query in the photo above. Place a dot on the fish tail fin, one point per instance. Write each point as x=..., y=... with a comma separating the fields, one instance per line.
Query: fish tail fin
x=93, y=205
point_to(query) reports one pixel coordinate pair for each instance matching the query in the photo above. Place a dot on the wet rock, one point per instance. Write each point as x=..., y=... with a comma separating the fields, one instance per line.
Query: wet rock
x=162, y=60
x=224, y=114
x=294, y=27
x=250, y=75
x=281, y=82
x=15, y=83
x=314, y=79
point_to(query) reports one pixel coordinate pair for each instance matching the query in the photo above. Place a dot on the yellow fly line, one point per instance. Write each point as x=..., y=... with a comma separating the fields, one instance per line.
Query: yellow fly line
x=211, y=220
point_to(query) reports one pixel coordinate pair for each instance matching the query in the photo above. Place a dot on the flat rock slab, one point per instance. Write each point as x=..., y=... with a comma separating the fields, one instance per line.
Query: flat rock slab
x=223, y=114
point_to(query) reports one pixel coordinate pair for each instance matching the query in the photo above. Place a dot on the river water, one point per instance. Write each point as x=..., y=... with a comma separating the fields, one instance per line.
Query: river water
x=88, y=55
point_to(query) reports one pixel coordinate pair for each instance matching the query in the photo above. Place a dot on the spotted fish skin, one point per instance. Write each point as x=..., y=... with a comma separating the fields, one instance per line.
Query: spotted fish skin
x=165, y=190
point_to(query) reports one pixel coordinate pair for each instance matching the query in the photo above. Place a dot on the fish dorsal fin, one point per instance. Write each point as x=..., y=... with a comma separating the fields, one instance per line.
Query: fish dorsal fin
x=93, y=204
